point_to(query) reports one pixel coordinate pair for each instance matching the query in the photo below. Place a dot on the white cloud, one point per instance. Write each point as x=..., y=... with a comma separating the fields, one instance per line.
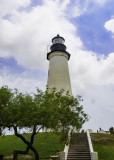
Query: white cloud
x=77, y=8
x=23, y=84
x=94, y=80
x=80, y=7
x=101, y=2
x=62, y=5
x=9, y=6
x=91, y=70
x=98, y=102
x=77, y=11
x=109, y=25
x=87, y=71
x=25, y=35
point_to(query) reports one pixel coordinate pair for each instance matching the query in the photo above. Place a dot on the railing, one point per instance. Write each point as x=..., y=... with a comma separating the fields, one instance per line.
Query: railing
x=66, y=151
x=67, y=146
x=94, y=155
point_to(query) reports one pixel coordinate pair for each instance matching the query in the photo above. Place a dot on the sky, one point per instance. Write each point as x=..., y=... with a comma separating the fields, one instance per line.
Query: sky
x=26, y=30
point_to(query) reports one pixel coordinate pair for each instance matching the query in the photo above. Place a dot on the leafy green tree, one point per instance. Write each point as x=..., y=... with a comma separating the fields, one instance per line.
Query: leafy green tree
x=52, y=110
x=5, y=97
x=111, y=129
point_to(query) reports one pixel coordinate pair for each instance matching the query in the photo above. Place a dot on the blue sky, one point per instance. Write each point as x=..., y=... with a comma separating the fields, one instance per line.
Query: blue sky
x=26, y=29
x=92, y=32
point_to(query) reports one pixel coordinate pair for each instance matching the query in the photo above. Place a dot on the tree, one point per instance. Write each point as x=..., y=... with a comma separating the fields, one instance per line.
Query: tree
x=52, y=110
x=5, y=96
x=111, y=129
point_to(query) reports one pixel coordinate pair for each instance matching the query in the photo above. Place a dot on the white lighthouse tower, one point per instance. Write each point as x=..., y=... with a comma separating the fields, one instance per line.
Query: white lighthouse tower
x=58, y=73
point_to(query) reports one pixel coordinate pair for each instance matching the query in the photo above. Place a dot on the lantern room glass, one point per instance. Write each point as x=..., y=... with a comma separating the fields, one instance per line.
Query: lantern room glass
x=58, y=40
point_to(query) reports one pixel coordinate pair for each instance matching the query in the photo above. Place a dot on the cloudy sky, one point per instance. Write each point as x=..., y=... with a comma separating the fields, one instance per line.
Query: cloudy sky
x=26, y=30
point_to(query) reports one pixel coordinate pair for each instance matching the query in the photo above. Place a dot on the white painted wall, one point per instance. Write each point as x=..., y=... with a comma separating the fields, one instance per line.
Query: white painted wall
x=58, y=73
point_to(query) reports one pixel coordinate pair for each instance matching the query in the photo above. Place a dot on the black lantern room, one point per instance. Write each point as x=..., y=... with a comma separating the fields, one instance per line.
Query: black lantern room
x=58, y=45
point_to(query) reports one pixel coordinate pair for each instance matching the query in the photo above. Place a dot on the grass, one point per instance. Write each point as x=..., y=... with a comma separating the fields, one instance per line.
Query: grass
x=47, y=144
x=104, y=145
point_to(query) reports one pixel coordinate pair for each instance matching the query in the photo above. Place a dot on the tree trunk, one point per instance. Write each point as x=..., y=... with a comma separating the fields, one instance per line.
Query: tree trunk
x=15, y=153
x=29, y=144
x=1, y=156
x=35, y=152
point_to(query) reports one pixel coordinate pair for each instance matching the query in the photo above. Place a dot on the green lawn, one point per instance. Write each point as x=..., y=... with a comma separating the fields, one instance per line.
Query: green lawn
x=47, y=144
x=104, y=145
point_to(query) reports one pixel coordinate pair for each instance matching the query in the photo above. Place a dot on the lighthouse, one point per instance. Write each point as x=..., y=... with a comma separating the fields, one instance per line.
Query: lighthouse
x=58, y=72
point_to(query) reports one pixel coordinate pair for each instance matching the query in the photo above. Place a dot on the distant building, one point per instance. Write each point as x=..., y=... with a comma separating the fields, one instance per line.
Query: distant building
x=102, y=131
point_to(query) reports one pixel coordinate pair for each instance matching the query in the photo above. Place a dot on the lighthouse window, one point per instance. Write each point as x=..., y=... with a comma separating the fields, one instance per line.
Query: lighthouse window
x=58, y=40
